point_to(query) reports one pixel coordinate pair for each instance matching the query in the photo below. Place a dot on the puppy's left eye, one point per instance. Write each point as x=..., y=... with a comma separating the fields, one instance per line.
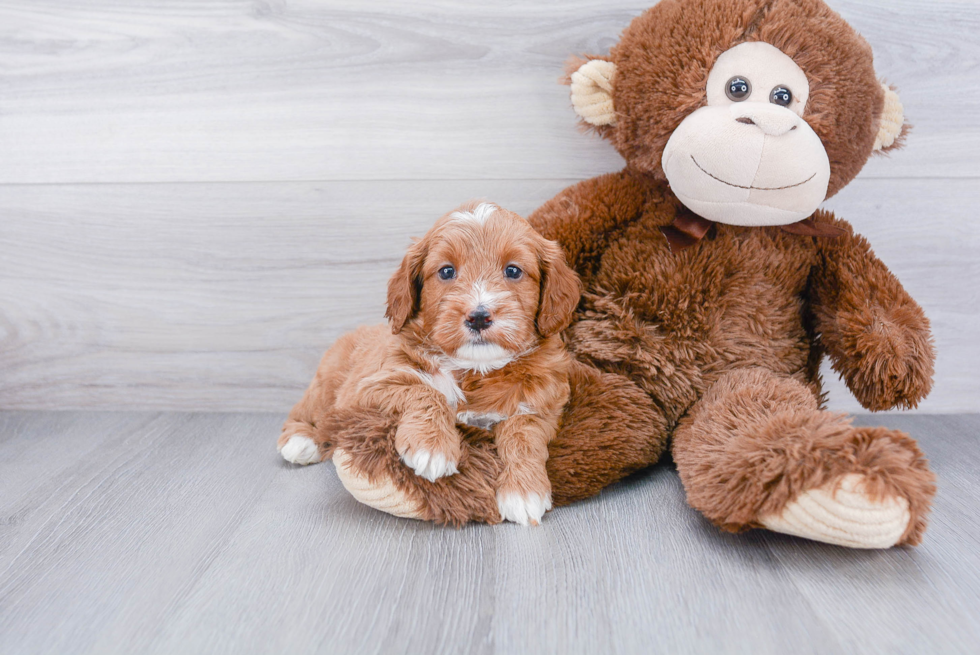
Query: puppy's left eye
x=447, y=272
x=513, y=272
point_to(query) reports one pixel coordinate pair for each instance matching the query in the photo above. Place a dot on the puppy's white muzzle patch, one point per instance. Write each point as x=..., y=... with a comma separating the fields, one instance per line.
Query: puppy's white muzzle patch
x=482, y=357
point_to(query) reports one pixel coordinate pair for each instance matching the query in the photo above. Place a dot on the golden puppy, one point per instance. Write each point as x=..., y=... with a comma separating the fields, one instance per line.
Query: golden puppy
x=474, y=310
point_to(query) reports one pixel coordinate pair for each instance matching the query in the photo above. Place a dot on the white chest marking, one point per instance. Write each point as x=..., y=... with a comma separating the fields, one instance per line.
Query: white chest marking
x=478, y=420
x=443, y=382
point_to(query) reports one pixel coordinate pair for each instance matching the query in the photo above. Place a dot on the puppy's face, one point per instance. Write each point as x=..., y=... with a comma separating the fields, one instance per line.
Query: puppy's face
x=482, y=286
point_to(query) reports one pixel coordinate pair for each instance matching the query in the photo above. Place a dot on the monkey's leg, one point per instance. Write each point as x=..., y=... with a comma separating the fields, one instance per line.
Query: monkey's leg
x=609, y=429
x=755, y=451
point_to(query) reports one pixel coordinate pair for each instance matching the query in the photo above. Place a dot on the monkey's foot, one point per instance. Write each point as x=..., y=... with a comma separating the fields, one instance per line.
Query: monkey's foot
x=382, y=495
x=843, y=514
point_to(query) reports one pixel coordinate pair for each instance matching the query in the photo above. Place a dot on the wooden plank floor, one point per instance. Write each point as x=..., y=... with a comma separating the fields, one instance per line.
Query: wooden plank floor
x=184, y=533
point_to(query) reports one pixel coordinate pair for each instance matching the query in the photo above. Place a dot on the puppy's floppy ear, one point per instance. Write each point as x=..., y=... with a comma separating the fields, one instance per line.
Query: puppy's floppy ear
x=560, y=290
x=405, y=287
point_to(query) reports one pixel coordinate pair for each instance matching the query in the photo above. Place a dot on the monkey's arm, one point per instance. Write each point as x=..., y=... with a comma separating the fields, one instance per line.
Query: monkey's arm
x=877, y=336
x=582, y=216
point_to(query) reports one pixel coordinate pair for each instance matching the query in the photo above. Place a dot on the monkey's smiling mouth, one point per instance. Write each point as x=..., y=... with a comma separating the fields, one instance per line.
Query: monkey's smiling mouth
x=757, y=188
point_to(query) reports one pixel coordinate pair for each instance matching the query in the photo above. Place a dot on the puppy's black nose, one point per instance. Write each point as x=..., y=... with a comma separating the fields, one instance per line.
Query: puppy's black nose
x=479, y=319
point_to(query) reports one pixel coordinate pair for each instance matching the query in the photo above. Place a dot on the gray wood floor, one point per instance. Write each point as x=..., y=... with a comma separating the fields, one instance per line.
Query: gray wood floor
x=184, y=533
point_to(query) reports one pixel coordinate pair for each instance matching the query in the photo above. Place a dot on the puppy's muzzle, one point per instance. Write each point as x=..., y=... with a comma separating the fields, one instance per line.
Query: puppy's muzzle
x=479, y=319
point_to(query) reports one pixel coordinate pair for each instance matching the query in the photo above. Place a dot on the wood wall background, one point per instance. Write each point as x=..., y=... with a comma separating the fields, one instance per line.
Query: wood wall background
x=198, y=196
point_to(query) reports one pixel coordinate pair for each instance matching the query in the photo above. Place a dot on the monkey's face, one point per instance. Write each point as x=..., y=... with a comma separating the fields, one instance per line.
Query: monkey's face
x=755, y=111
x=747, y=157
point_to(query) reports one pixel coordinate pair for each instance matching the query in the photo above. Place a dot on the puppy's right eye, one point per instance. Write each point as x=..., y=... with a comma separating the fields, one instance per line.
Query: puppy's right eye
x=447, y=273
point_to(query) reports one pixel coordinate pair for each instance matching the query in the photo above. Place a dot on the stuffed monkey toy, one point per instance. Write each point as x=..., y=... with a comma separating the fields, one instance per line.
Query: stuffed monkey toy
x=714, y=286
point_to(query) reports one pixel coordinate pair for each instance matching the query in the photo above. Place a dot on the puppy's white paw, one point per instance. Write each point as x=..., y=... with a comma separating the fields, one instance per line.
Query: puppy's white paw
x=429, y=466
x=300, y=450
x=526, y=509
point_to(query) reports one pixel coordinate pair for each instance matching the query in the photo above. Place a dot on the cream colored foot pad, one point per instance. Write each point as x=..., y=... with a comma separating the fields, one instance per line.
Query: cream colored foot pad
x=383, y=496
x=845, y=518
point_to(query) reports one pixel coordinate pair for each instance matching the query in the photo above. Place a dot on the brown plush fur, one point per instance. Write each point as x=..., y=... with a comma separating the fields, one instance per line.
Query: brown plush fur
x=719, y=345
x=610, y=429
x=747, y=298
x=756, y=440
x=368, y=436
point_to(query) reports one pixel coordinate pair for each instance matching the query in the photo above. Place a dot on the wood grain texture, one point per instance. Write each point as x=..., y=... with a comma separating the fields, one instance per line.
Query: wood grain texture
x=164, y=533
x=224, y=296
x=234, y=90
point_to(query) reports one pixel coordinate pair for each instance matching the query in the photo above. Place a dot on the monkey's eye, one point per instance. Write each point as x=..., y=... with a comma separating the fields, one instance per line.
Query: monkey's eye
x=738, y=89
x=447, y=273
x=513, y=272
x=781, y=96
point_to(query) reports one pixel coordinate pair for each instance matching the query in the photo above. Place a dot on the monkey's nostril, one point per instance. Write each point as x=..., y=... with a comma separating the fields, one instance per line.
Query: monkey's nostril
x=745, y=120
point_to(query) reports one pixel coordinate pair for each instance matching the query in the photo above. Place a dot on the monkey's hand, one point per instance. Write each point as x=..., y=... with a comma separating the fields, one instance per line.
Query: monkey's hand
x=885, y=356
x=876, y=335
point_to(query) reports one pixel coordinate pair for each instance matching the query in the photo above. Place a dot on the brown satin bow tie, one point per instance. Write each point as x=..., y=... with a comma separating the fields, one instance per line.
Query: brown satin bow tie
x=688, y=228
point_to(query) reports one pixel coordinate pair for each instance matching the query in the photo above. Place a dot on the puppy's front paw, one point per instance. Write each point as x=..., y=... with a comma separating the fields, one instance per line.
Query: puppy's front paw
x=430, y=466
x=431, y=448
x=300, y=450
x=526, y=509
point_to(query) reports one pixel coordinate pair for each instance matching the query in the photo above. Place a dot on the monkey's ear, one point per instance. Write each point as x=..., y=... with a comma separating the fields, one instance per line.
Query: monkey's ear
x=592, y=88
x=892, y=126
x=405, y=287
